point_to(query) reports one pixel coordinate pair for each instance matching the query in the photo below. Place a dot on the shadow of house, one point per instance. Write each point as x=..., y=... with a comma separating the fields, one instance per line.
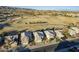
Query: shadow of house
x=42, y=35
x=1, y=40
x=23, y=49
x=30, y=35
x=20, y=49
x=66, y=44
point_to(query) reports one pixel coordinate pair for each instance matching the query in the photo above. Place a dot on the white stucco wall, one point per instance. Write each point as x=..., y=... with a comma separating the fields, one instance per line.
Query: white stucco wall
x=24, y=39
x=49, y=35
x=37, y=37
x=59, y=34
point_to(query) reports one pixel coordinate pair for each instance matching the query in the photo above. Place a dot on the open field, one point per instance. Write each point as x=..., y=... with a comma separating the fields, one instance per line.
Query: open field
x=50, y=21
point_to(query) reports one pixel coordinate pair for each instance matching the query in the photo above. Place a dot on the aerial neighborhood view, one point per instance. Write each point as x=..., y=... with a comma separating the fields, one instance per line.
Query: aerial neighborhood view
x=39, y=29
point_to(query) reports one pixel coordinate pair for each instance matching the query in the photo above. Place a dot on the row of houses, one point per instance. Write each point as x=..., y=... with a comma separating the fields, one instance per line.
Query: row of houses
x=27, y=37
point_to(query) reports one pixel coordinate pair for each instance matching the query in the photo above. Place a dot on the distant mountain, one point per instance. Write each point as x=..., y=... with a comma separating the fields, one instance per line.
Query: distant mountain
x=7, y=12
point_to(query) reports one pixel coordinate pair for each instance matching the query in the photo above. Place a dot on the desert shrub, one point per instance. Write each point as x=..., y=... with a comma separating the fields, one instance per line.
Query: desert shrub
x=19, y=22
x=7, y=46
x=51, y=39
x=71, y=25
x=57, y=39
x=32, y=43
x=66, y=34
x=25, y=23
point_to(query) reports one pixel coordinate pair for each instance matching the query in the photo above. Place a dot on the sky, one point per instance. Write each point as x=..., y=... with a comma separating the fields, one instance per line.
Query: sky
x=67, y=8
